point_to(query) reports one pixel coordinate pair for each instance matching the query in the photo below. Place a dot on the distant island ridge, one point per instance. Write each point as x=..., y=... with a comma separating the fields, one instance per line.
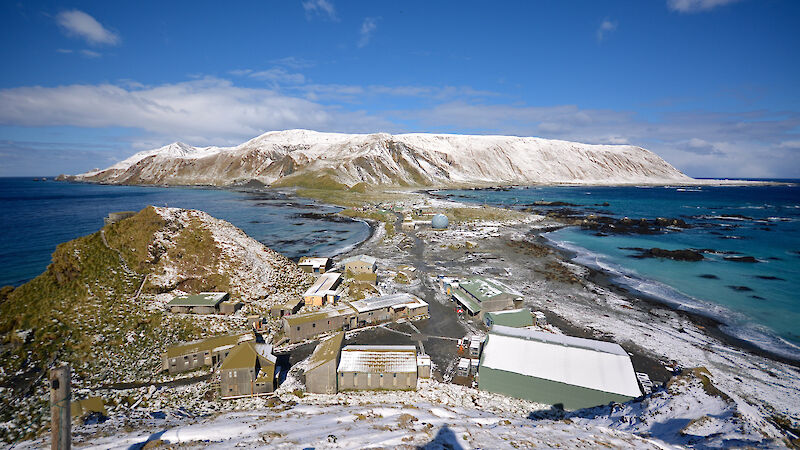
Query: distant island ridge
x=336, y=160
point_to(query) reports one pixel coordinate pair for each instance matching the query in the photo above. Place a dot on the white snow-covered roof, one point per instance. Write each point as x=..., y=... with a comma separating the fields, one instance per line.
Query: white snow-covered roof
x=313, y=261
x=398, y=300
x=265, y=350
x=603, y=366
x=324, y=283
x=378, y=359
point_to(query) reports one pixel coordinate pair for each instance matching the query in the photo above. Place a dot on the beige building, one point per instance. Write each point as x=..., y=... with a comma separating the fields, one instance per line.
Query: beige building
x=323, y=291
x=386, y=308
x=317, y=266
x=360, y=264
x=249, y=369
x=320, y=372
x=299, y=327
x=376, y=367
x=203, y=353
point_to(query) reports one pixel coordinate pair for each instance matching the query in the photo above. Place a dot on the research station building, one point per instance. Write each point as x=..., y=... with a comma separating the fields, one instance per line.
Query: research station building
x=555, y=369
x=378, y=367
x=320, y=372
x=249, y=369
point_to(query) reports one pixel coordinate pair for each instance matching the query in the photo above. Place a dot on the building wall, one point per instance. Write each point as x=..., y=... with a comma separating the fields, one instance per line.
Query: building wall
x=358, y=381
x=544, y=391
x=314, y=300
x=195, y=360
x=310, y=329
x=235, y=382
x=358, y=267
x=322, y=379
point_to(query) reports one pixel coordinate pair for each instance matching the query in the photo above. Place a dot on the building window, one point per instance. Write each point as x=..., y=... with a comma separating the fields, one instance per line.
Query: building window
x=298, y=328
x=313, y=325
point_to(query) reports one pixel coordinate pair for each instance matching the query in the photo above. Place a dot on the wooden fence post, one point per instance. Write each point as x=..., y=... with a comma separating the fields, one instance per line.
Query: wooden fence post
x=60, y=408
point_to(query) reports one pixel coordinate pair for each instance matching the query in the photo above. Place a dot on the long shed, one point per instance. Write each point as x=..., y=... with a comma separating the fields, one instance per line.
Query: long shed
x=376, y=367
x=555, y=369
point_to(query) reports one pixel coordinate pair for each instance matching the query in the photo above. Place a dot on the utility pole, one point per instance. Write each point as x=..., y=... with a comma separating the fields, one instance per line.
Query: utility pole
x=60, y=411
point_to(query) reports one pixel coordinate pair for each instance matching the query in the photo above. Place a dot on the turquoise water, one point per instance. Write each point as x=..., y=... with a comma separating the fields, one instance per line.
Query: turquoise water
x=757, y=302
x=36, y=216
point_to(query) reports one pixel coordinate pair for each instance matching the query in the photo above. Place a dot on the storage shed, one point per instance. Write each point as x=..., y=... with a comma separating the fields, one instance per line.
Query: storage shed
x=320, y=372
x=202, y=303
x=375, y=367
x=555, y=369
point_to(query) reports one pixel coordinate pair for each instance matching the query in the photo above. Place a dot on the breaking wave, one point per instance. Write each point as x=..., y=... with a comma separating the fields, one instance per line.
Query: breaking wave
x=731, y=323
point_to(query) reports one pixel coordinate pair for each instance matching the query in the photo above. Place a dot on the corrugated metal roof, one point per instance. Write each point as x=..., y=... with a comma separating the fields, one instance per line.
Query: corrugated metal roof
x=485, y=288
x=378, y=359
x=387, y=301
x=211, y=299
x=603, y=366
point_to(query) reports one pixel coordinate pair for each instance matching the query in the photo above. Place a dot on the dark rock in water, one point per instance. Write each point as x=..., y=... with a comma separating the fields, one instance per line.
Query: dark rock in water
x=774, y=258
x=677, y=255
x=757, y=297
x=741, y=288
x=598, y=234
x=766, y=229
x=744, y=259
x=769, y=277
x=602, y=204
x=709, y=276
x=546, y=203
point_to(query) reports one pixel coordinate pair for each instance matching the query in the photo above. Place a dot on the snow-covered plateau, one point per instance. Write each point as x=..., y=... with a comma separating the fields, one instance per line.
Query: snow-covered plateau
x=297, y=157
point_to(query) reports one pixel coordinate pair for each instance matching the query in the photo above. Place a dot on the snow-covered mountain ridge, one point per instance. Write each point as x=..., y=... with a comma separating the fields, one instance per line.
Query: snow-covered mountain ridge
x=301, y=156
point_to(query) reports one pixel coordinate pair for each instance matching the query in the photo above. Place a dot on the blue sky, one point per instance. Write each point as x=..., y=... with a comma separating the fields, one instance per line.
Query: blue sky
x=710, y=85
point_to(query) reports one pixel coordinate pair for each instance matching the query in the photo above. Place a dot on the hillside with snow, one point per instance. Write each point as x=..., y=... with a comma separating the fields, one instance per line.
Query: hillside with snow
x=301, y=157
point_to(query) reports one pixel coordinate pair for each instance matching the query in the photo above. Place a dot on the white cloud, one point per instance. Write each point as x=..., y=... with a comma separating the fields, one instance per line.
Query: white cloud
x=606, y=26
x=64, y=50
x=368, y=28
x=202, y=112
x=79, y=24
x=212, y=111
x=90, y=53
x=293, y=62
x=320, y=7
x=693, y=6
x=278, y=75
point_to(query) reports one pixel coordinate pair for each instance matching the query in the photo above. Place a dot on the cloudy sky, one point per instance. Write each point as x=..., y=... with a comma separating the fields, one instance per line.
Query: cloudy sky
x=713, y=86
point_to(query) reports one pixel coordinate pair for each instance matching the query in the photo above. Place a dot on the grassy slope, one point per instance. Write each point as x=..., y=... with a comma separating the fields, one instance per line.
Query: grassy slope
x=81, y=310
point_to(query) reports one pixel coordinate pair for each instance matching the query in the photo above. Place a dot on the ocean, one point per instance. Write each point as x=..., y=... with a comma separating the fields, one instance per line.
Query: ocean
x=36, y=216
x=757, y=302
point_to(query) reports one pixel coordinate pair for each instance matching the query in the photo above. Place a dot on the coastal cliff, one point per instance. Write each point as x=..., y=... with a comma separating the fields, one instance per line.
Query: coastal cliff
x=309, y=158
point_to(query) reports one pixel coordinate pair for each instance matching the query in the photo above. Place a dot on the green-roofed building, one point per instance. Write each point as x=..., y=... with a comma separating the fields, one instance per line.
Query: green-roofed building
x=320, y=372
x=516, y=318
x=471, y=306
x=488, y=294
x=249, y=369
x=203, y=353
x=202, y=303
